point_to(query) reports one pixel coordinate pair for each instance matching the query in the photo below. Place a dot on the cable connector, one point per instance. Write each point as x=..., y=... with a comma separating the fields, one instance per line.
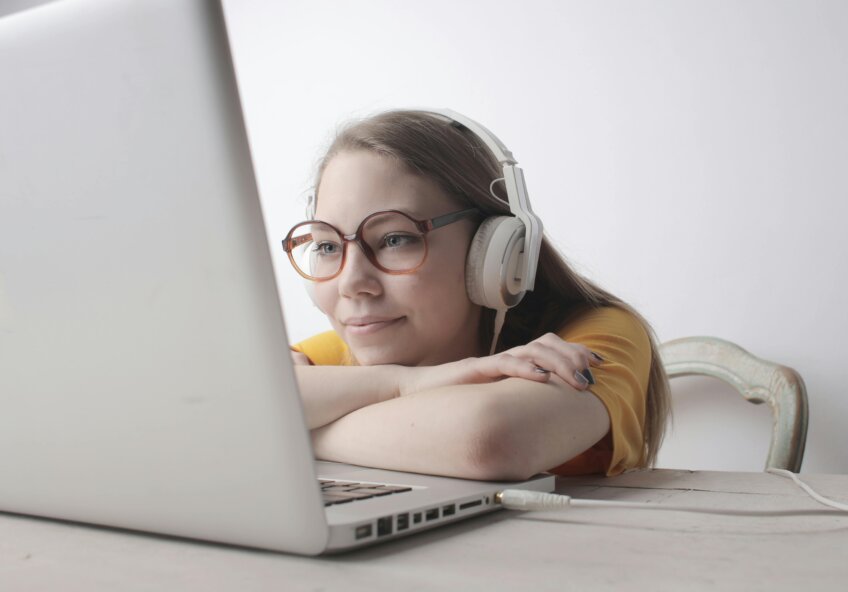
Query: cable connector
x=522, y=499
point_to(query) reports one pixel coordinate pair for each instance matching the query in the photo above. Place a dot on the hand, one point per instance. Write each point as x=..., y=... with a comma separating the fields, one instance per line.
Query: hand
x=536, y=361
x=299, y=359
x=570, y=361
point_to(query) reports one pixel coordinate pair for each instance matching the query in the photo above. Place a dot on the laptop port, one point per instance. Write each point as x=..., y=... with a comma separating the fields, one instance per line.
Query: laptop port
x=467, y=505
x=363, y=531
x=402, y=521
x=432, y=514
x=449, y=510
x=416, y=518
x=384, y=526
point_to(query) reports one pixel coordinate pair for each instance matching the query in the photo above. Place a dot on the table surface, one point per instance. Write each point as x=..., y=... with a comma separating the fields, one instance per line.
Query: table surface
x=581, y=549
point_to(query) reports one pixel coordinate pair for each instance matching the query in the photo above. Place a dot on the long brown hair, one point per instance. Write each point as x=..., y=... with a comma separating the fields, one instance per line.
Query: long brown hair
x=464, y=168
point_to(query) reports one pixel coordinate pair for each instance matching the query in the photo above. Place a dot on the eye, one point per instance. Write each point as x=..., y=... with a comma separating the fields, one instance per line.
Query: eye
x=394, y=241
x=326, y=248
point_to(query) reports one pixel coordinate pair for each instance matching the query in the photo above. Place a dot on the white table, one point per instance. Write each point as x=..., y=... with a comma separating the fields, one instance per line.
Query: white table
x=583, y=549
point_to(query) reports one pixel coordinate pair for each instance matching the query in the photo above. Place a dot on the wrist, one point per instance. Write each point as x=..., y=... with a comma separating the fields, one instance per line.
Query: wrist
x=415, y=379
x=404, y=380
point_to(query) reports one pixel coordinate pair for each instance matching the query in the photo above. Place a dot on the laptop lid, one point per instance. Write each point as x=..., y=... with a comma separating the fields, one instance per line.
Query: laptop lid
x=145, y=378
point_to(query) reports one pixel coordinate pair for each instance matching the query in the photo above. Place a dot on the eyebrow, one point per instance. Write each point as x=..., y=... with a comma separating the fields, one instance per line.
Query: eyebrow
x=415, y=214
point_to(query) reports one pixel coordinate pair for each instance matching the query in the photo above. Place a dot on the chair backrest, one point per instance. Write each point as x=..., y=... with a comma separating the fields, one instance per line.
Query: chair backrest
x=758, y=380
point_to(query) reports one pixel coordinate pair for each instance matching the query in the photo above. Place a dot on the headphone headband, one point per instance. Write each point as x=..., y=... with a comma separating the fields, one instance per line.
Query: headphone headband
x=497, y=147
x=516, y=189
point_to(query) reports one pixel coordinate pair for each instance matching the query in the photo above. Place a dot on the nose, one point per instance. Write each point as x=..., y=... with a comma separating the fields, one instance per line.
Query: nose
x=358, y=276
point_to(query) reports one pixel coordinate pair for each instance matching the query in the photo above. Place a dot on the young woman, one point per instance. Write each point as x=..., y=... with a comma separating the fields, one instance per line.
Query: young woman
x=404, y=381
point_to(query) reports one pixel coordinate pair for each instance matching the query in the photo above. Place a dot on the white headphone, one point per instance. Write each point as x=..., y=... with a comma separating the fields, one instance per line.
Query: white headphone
x=502, y=260
x=504, y=253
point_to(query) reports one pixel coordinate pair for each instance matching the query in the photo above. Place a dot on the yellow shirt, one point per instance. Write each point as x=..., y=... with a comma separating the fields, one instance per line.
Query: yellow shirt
x=621, y=383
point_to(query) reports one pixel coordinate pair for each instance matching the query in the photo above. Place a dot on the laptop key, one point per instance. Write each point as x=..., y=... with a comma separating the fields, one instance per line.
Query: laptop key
x=339, y=484
x=393, y=488
x=330, y=500
x=337, y=488
x=372, y=491
x=339, y=492
x=349, y=495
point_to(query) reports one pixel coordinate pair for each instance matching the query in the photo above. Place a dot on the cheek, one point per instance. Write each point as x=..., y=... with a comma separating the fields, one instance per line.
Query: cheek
x=440, y=288
x=324, y=296
x=448, y=270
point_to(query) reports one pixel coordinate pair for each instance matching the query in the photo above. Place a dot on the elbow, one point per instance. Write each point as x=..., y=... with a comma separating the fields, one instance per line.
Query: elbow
x=511, y=446
x=497, y=452
x=498, y=472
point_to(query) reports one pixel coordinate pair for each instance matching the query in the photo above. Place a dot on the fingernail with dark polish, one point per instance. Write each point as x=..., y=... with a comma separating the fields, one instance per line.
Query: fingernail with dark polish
x=580, y=378
x=589, y=376
x=597, y=357
x=541, y=370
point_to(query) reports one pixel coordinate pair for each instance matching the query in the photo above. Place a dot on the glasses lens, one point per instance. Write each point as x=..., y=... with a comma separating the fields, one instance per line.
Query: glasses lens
x=395, y=241
x=317, y=250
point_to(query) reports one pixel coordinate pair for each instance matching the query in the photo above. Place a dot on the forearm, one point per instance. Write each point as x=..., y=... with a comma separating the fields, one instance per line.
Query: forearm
x=505, y=430
x=331, y=392
x=432, y=432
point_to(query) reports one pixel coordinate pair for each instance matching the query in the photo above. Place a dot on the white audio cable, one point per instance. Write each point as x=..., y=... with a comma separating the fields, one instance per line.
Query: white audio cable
x=816, y=496
x=524, y=500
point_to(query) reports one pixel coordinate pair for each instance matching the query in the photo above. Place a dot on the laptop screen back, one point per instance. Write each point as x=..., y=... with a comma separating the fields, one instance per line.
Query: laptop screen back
x=145, y=378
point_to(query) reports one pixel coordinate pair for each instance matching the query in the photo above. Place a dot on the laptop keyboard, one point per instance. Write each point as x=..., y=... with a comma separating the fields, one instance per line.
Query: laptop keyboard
x=342, y=492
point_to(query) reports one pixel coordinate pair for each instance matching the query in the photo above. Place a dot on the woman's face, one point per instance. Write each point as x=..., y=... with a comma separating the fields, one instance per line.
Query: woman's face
x=416, y=319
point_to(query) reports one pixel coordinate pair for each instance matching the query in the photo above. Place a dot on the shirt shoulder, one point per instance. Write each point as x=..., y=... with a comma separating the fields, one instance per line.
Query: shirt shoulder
x=616, y=335
x=621, y=383
x=324, y=349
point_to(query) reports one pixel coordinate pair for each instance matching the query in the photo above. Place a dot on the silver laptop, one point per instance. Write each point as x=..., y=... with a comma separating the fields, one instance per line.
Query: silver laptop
x=145, y=377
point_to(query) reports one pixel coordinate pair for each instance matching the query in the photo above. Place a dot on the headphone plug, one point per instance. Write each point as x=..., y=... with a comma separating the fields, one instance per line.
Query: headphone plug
x=522, y=499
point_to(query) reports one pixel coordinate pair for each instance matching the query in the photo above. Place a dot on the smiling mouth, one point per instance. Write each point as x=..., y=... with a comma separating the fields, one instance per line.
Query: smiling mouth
x=368, y=328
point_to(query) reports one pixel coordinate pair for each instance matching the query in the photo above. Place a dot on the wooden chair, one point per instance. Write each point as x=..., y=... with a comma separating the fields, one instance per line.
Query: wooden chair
x=758, y=380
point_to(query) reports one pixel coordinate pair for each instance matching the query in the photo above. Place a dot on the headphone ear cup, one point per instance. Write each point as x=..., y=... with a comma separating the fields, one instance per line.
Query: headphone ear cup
x=491, y=267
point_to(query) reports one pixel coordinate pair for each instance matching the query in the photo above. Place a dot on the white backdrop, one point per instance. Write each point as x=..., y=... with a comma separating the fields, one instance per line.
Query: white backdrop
x=688, y=156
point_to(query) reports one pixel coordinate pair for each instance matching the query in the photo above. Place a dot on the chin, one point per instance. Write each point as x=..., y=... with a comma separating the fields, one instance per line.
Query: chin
x=380, y=356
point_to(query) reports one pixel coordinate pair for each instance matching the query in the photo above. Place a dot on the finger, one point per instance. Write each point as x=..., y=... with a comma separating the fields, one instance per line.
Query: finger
x=505, y=365
x=566, y=360
x=300, y=359
x=581, y=355
x=587, y=374
x=580, y=381
x=521, y=368
x=534, y=352
x=561, y=361
x=577, y=377
x=573, y=371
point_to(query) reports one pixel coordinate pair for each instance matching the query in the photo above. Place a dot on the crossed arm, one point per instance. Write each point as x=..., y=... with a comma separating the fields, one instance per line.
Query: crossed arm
x=505, y=430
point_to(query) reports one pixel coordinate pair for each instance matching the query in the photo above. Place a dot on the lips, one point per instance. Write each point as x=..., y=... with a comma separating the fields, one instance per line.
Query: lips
x=369, y=324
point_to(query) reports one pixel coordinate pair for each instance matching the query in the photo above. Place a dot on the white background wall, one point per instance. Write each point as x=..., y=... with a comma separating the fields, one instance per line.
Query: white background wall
x=688, y=156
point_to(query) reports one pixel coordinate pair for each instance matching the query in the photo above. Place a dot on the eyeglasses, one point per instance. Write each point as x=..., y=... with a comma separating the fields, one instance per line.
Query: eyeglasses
x=391, y=240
